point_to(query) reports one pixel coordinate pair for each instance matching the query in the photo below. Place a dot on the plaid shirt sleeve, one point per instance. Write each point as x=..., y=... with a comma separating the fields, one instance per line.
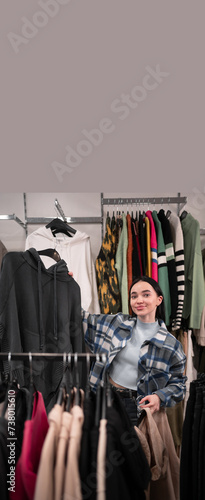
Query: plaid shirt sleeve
x=95, y=327
x=161, y=369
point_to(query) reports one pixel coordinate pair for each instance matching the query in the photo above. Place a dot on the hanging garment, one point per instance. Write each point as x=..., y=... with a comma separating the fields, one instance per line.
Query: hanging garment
x=169, y=248
x=40, y=311
x=76, y=252
x=88, y=484
x=142, y=242
x=72, y=486
x=200, y=332
x=10, y=449
x=192, y=463
x=129, y=254
x=194, y=296
x=136, y=269
x=101, y=460
x=44, y=489
x=35, y=431
x=121, y=265
x=148, y=247
x=3, y=251
x=163, y=278
x=186, y=449
x=138, y=245
x=128, y=472
x=153, y=243
x=191, y=371
x=167, y=486
x=178, y=242
x=4, y=454
x=91, y=480
x=61, y=455
x=157, y=454
x=107, y=280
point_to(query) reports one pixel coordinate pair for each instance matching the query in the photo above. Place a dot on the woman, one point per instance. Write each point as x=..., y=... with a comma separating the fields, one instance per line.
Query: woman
x=143, y=359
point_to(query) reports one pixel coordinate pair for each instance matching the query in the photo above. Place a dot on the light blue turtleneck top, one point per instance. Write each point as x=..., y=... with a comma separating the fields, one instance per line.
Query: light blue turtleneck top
x=124, y=368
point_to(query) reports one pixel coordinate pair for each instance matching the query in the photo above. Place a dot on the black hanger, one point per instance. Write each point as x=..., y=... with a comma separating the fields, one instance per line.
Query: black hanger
x=168, y=213
x=62, y=389
x=183, y=215
x=10, y=385
x=60, y=226
x=70, y=390
x=50, y=252
x=31, y=389
x=77, y=381
x=87, y=388
x=109, y=393
x=98, y=398
x=104, y=390
x=98, y=405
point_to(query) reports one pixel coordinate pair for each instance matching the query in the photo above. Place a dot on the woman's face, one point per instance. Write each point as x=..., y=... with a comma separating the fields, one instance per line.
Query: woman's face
x=144, y=301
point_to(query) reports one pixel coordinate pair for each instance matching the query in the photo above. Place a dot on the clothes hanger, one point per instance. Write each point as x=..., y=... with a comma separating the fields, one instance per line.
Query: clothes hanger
x=87, y=388
x=10, y=385
x=109, y=394
x=50, y=252
x=98, y=399
x=104, y=390
x=59, y=226
x=62, y=389
x=98, y=405
x=77, y=381
x=31, y=389
x=70, y=386
x=183, y=215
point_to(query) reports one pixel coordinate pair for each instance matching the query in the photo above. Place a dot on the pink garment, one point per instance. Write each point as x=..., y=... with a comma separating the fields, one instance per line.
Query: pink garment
x=72, y=486
x=61, y=455
x=101, y=460
x=45, y=479
x=35, y=431
x=153, y=243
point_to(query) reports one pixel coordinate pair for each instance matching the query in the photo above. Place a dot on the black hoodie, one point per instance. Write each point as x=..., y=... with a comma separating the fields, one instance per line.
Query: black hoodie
x=40, y=311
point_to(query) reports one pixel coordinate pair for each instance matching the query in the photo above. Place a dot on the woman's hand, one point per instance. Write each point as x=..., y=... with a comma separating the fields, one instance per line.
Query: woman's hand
x=70, y=272
x=154, y=402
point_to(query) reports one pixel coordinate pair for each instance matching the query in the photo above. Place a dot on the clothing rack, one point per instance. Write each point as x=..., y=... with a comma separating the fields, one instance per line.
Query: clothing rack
x=50, y=356
x=46, y=220
x=180, y=201
x=164, y=200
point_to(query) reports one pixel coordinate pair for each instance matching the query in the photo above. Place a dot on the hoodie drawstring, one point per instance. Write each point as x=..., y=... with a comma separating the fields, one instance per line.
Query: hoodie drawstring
x=55, y=330
x=40, y=305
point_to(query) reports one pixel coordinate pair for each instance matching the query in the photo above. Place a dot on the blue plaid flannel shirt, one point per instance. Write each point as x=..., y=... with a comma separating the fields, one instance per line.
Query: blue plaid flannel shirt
x=161, y=362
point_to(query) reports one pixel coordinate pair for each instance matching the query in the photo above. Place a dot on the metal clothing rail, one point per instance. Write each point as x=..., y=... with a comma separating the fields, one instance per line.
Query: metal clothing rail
x=179, y=200
x=150, y=200
x=46, y=220
x=13, y=217
x=50, y=356
x=71, y=220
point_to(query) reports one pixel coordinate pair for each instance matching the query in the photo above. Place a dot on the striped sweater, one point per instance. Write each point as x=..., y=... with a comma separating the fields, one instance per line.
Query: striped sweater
x=178, y=242
x=169, y=247
x=163, y=278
